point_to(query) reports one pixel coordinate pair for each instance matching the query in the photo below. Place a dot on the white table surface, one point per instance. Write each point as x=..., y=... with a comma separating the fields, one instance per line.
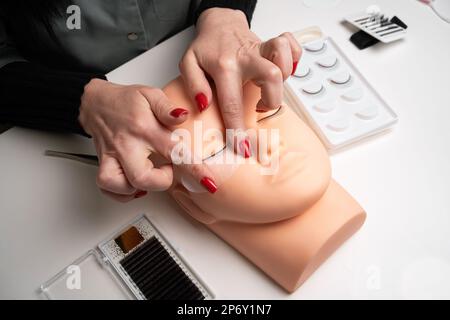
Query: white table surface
x=52, y=212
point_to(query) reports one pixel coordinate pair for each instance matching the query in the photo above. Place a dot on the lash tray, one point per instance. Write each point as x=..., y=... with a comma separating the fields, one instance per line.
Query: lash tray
x=333, y=97
x=136, y=262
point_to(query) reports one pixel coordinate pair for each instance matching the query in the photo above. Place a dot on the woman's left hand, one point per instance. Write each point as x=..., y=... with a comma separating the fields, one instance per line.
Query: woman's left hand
x=230, y=54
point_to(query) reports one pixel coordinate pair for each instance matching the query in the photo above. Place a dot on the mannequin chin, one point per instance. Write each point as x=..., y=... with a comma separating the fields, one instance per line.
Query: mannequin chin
x=287, y=222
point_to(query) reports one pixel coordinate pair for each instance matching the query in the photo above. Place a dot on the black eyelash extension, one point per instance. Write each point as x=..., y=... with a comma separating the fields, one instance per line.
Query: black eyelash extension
x=221, y=150
x=157, y=275
x=215, y=154
x=271, y=114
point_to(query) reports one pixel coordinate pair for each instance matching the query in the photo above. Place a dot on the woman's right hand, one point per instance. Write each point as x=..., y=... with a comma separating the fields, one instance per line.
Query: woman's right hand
x=127, y=123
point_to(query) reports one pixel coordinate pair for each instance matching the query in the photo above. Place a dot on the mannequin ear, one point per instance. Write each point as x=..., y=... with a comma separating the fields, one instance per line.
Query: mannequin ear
x=183, y=199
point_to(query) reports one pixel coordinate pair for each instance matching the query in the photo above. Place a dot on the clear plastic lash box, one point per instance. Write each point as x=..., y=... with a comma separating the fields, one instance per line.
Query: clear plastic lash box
x=136, y=262
x=332, y=96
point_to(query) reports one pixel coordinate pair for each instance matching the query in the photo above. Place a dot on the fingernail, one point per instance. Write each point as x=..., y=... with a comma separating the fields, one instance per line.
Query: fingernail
x=178, y=112
x=202, y=101
x=294, y=67
x=244, y=147
x=140, y=194
x=209, y=184
x=261, y=110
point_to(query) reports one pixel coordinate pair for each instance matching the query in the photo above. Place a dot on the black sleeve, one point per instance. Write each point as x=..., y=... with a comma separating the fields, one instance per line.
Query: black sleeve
x=41, y=98
x=246, y=6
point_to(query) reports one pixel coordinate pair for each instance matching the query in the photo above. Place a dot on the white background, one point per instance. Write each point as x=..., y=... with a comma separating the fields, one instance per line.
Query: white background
x=51, y=211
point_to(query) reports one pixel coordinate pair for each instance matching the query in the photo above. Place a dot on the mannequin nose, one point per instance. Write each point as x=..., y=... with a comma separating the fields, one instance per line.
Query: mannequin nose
x=269, y=146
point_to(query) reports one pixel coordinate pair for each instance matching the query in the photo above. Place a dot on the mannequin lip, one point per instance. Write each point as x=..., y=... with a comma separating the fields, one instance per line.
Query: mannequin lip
x=288, y=167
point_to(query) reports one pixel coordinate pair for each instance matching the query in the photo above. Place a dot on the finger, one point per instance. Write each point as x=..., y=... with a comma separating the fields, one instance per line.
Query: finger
x=141, y=172
x=268, y=77
x=195, y=80
x=296, y=50
x=230, y=99
x=164, y=110
x=202, y=174
x=123, y=198
x=278, y=51
x=110, y=177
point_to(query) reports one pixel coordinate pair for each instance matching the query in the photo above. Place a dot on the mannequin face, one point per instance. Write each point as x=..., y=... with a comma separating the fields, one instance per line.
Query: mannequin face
x=244, y=193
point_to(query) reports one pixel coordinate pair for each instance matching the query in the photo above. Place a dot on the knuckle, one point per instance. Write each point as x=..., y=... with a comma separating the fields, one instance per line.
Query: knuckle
x=273, y=74
x=139, y=180
x=231, y=109
x=133, y=91
x=152, y=92
x=119, y=140
x=139, y=125
x=92, y=85
x=133, y=96
x=232, y=118
x=297, y=51
x=280, y=42
x=104, y=179
x=226, y=63
x=295, y=47
x=156, y=91
x=184, y=61
x=182, y=65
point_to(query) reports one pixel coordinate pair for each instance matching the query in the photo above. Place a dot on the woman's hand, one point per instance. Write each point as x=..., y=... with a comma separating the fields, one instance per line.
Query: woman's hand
x=227, y=51
x=128, y=123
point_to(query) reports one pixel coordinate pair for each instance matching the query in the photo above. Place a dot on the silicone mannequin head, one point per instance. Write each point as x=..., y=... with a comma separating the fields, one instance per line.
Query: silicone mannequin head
x=247, y=195
x=286, y=223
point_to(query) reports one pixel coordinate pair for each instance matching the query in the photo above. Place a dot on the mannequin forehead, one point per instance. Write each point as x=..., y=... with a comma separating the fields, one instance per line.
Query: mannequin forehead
x=211, y=118
x=177, y=94
x=201, y=127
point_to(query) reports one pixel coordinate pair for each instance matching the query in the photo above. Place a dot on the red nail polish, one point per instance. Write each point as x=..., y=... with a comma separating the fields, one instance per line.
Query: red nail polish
x=202, y=101
x=244, y=146
x=209, y=184
x=178, y=112
x=140, y=194
x=294, y=67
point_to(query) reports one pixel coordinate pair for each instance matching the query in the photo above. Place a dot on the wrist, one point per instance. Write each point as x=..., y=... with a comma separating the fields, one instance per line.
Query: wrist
x=247, y=7
x=90, y=94
x=221, y=17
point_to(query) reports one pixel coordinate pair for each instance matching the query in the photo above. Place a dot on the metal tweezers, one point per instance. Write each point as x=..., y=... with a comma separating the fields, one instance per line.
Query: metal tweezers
x=80, y=157
x=93, y=160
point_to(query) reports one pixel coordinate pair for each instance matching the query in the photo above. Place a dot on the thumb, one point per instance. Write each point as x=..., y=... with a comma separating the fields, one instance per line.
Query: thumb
x=164, y=110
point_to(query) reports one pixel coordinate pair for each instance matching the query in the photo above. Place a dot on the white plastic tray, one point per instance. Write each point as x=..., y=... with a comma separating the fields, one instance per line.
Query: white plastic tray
x=334, y=98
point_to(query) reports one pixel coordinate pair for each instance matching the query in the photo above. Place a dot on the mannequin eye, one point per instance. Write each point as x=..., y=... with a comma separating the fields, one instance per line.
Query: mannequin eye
x=215, y=154
x=267, y=115
x=270, y=114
